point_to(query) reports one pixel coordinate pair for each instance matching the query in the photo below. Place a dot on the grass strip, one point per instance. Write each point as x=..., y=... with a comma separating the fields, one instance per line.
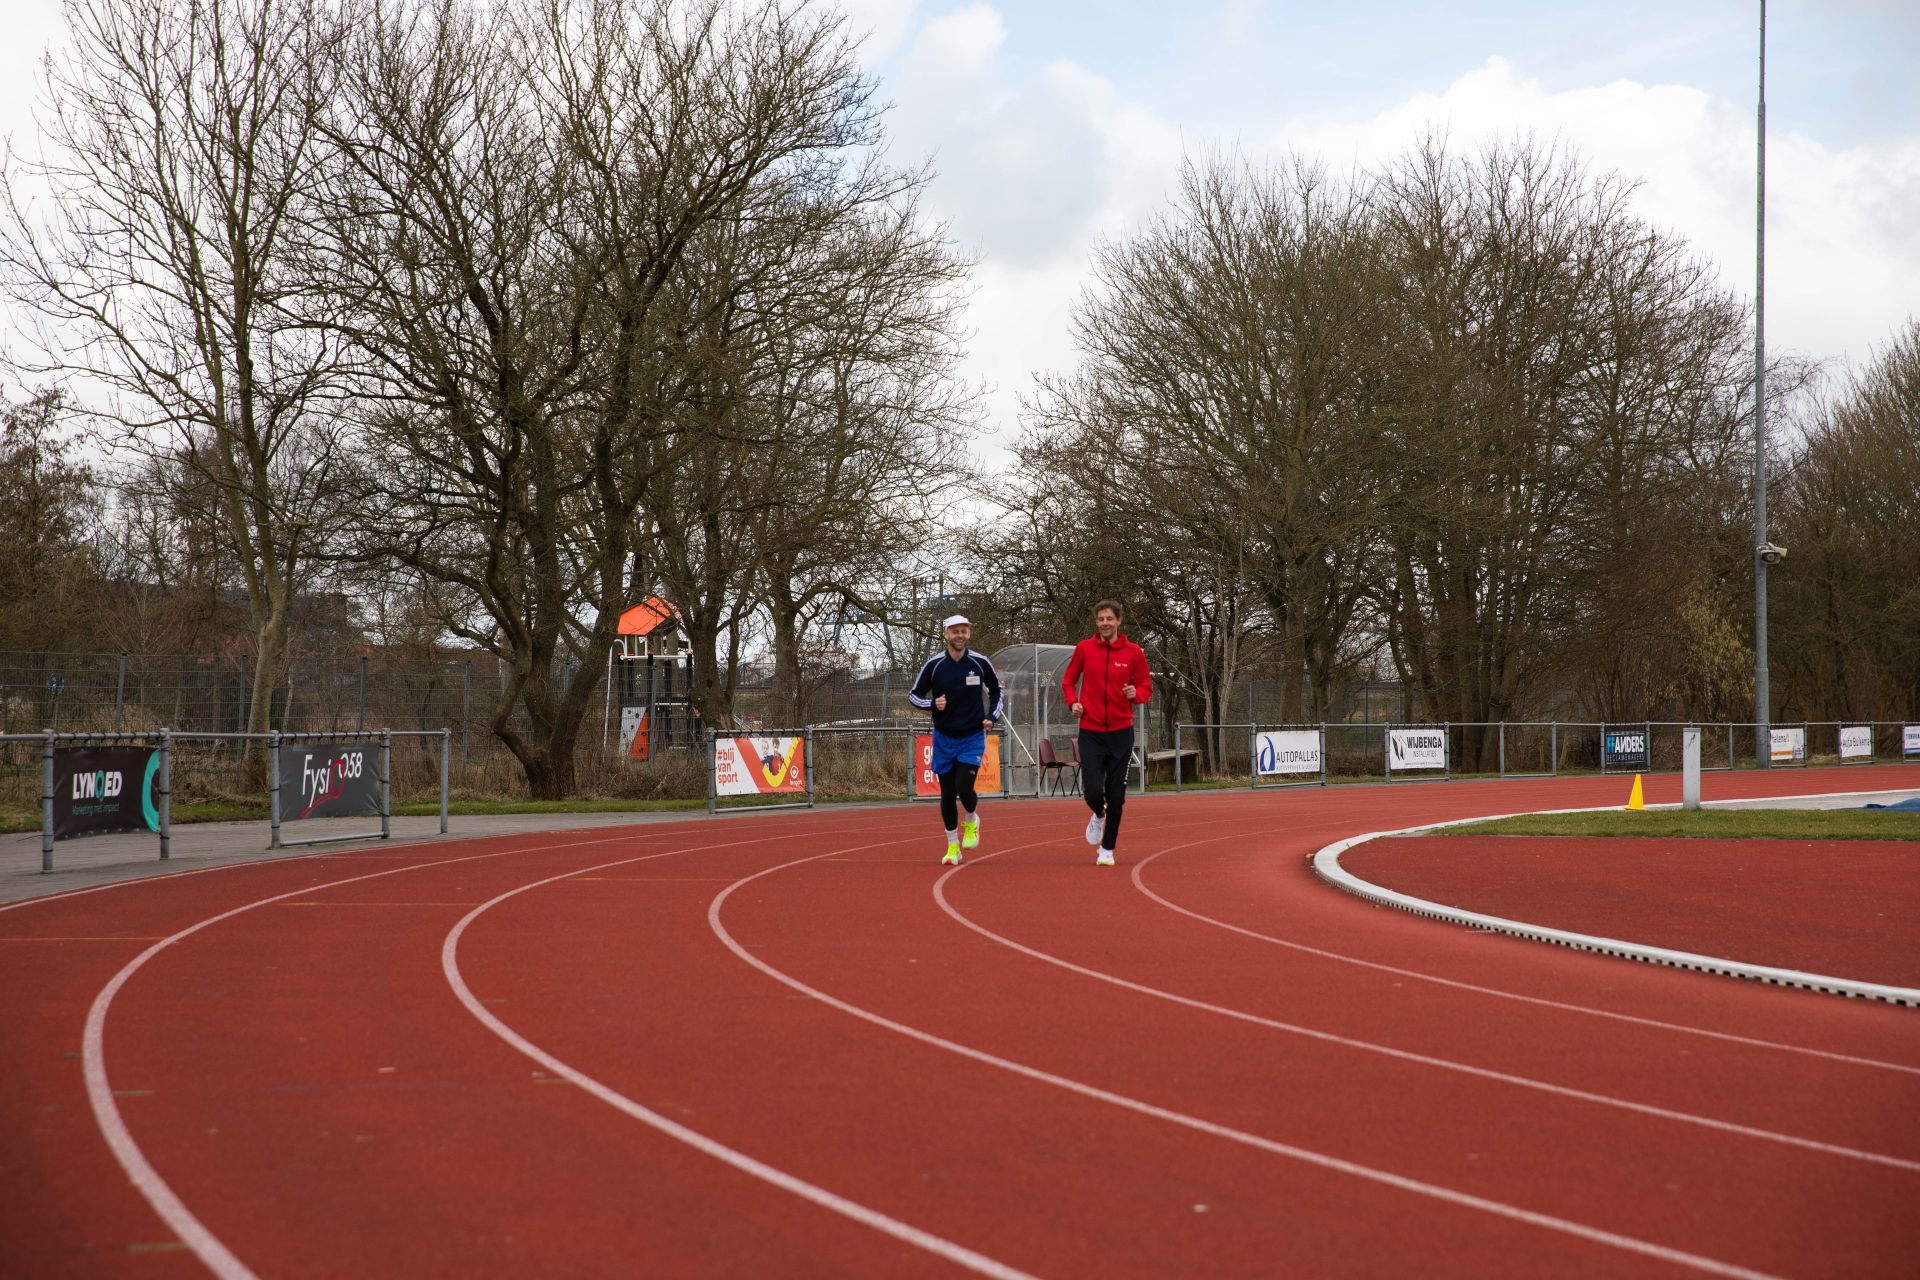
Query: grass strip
x=1733, y=824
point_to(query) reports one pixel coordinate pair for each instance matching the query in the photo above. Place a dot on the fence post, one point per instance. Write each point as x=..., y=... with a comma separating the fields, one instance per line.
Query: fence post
x=1553, y=749
x=46, y=806
x=1729, y=747
x=363, y=694
x=1503, y=748
x=273, y=789
x=806, y=757
x=1447, y=755
x=120, y=691
x=166, y=794
x=1323, y=753
x=710, y=740
x=446, y=757
x=386, y=783
x=1178, y=759
x=466, y=710
x=1253, y=744
x=1386, y=748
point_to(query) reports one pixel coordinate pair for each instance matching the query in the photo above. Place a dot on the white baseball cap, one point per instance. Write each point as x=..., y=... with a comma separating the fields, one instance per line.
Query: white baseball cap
x=957, y=620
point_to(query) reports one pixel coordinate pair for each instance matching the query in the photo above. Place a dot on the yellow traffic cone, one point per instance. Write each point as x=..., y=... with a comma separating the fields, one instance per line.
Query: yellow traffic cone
x=1636, y=801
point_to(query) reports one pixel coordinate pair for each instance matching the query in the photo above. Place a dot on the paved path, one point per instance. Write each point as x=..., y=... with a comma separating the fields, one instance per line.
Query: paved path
x=90, y=860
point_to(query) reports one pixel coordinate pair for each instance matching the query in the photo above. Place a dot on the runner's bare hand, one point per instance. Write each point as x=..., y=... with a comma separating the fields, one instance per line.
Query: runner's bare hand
x=1079, y=710
x=1128, y=690
x=940, y=703
x=986, y=724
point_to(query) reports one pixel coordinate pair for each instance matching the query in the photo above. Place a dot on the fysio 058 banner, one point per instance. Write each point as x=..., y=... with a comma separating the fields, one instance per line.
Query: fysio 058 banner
x=329, y=780
x=1416, y=749
x=97, y=789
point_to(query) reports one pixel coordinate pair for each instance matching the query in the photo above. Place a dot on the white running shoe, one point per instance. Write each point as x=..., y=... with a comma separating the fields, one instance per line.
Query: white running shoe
x=1105, y=859
x=1096, y=827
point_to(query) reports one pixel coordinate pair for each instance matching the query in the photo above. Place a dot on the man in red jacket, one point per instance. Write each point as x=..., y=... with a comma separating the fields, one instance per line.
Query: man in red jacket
x=1105, y=679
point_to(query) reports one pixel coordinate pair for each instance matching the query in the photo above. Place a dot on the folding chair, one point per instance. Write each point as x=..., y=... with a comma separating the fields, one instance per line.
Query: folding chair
x=1073, y=749
x=1052, y=767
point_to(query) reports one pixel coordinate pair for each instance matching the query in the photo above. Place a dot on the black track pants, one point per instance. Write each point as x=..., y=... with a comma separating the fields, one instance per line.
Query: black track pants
x=1103, y=775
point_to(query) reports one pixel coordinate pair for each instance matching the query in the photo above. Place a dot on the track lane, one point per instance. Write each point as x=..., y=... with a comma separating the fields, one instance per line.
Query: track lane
x=1010, y=1160
x=937, y=1140
x=1186, y=1061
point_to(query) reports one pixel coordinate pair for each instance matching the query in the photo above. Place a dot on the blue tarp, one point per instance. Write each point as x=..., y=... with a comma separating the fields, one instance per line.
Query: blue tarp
x=1909, y=806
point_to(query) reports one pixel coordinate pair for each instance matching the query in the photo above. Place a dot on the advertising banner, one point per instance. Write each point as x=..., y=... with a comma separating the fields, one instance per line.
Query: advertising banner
x=1624, y=748
x=1416, y=749
x=1787, y=745
x=925, y=783
x=759, y=766
x=1856, y=741
x=1287, y=751
x=97, y=789
x=1909, y=741
x=329, y=780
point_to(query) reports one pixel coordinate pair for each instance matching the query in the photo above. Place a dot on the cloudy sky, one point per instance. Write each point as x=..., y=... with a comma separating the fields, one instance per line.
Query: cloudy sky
x=1053, y=123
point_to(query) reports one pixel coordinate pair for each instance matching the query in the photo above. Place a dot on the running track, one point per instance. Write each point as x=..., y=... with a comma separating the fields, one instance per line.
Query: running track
x=792, y=1046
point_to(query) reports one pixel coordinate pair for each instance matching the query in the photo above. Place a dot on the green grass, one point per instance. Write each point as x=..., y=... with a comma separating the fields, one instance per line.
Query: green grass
x=1739, y=824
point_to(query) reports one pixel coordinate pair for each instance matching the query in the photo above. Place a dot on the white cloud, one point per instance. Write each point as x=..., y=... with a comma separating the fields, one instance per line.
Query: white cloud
x=1843, y=225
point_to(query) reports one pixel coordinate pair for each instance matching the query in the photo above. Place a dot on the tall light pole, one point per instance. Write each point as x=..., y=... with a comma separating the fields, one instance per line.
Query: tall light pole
x=1762, y=706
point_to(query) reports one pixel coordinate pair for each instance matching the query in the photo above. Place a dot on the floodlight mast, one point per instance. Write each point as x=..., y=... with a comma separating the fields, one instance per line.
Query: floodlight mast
x=1762, y=702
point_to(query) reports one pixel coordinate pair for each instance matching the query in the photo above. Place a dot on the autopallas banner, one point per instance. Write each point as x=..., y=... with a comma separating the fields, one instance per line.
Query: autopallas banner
x=328, y=780
x=759, y=766
x=99, y=789
x=1856, y=741
x=1287, y=751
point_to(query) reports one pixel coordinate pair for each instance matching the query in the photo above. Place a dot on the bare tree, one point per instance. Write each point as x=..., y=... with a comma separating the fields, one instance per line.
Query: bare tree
x=1847, y=602
x=513, y=223
x=183, y=143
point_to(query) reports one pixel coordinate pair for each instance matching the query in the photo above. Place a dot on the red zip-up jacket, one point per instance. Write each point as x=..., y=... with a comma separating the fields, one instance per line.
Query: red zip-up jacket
x=1103, y=671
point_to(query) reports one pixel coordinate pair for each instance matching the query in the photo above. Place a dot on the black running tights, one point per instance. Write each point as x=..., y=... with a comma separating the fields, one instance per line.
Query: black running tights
x=956, y=792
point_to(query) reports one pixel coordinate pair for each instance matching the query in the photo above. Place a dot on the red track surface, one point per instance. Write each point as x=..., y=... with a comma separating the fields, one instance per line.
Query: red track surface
x=790, y=1045
x=1839, y=908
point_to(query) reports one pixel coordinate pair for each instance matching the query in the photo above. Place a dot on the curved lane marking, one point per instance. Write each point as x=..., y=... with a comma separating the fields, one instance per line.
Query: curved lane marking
x=206, y=1246
x=1408, y=1055
x=1367, y=1173
x=1326, y=864
x=939, y=1246
x=1542, y=1001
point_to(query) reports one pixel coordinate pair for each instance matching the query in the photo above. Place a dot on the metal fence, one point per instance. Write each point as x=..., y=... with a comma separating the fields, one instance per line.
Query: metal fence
x=1349, y=752
x=224, y=753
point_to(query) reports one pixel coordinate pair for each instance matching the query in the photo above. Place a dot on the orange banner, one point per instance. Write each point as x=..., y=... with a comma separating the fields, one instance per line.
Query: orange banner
x=758, y=766
x=925, y=783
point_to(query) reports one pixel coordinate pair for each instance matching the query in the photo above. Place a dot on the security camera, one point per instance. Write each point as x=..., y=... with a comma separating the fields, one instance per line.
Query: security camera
x=1771, y=553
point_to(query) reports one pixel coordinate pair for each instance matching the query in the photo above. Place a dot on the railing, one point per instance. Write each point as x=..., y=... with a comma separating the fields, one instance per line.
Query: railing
x=1270, y=756
x=150, y=806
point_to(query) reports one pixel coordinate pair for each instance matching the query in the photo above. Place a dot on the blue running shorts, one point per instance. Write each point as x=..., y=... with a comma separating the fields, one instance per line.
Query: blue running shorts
x=947, y=752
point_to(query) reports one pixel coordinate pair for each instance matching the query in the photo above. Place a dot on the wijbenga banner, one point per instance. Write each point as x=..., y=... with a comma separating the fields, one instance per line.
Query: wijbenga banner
x=759, y=766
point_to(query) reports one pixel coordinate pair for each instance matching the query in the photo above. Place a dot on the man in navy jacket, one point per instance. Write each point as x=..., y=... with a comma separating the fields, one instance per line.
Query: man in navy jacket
x=962, y=690
x=1105, y=679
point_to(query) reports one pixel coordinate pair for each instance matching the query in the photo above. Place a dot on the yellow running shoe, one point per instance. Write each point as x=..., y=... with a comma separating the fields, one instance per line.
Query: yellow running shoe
x=953, y=855
x=970, y=834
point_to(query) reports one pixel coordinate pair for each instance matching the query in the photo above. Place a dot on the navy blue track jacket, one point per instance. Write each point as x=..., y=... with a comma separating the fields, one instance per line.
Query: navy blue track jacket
x=972, y=687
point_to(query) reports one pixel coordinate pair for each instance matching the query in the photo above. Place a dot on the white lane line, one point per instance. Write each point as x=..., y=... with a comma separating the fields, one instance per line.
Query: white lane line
x=813, y=1193
x=1541, y=1001
x=1407, y=1055
x=1380, y=1176
x=211, y=1251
